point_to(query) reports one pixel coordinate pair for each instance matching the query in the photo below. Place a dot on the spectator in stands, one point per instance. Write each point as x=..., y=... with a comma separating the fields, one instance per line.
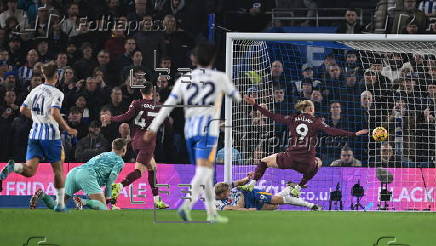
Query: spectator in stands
x=394, y=66
x=419, y=64
x=8, y=111
x=281, y=107
x=351, y=89
x=402, y=124
x=117, y=105
x=408, y=92
x=143, y=8
x=25, y=71
x=69, y=142
x=124, y=131
x=70, y=24
x=332, y=80
x=72, y=53
x=105, y=65
x=147, y=41
x=347, y=159
x=10, y=81
x=43, y=51
x=137, y=61
x=163, y=87
x=115, y=45
x=130, y=93
x=336, y=118
x=386, y=157
x=351, y=63
x=94, y=96
x=277, y=71
x=91, y=145
x=61, y=63
x=20, y=128
x=306, y=90
x=100, y=79
x=16, y=54
x=350, y=25
x=108, y=129
x=307, y=74
x=400, y=18
x=126, y=58
x=68, y=81
x=310, y=5
x=321, y=71
x=177, y=43
x=319, y=102
x=426, y=124
x=85, y=65
x=12, y=10
x=81, y=103
x=42, y=25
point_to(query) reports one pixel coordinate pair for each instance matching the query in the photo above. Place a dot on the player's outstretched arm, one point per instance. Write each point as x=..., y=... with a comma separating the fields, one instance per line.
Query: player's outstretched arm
x=276, y=117
x=112, y=177
x=167, y=107
x=56, y=114
x=339, y=132
x=243, y=181
x=26, y=111
x=361, y=132
x=124, y=117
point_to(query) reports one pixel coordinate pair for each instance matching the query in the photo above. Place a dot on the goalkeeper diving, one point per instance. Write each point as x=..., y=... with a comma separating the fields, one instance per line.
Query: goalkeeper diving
x=236, y=198
x=101, y=170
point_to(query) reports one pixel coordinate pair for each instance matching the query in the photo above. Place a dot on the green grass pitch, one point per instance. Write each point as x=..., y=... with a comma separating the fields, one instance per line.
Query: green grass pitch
x=265, y=228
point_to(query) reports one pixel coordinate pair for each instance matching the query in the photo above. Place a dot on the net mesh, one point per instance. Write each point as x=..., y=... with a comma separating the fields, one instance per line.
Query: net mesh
x=354, y=85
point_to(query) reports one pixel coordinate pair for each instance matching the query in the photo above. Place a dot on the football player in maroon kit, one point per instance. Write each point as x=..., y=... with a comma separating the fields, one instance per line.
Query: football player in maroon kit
x=303, y=138
x=141, y=113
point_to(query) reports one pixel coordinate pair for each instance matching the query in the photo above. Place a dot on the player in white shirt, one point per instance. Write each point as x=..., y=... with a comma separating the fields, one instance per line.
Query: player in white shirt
x=43, y=105
x=201, y=92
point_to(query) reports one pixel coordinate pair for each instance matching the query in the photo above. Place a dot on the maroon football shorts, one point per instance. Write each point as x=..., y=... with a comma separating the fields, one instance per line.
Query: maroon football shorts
x=304, y=163
x=145, y=151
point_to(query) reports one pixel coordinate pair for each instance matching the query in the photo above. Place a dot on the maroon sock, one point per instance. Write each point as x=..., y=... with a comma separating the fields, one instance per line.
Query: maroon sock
x=260, y=170
x=131, y=177
x=152, y=181
x=308, y=176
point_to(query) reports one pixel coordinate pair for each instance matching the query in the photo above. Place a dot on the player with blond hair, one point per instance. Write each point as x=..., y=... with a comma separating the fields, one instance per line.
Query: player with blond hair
x=300, y=156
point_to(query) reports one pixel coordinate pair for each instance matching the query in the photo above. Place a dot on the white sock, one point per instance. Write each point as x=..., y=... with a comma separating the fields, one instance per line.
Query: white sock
x=201, y=174
x=60, y=197
x=297, y=201
x=156, y=198
x=285, y=192
x=209, y=195
x=252, y=182
x=18, y=167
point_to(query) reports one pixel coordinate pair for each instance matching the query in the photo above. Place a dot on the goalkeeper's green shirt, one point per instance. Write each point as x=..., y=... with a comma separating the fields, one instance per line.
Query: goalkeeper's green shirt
x=106, y=166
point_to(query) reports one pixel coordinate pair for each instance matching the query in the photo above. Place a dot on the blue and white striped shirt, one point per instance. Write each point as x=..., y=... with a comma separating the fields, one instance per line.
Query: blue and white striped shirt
x=40, y=101
x=25, y=75
x=428, y=7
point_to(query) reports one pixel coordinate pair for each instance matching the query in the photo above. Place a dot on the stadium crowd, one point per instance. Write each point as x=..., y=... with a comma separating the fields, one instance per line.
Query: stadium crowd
x=97, y=43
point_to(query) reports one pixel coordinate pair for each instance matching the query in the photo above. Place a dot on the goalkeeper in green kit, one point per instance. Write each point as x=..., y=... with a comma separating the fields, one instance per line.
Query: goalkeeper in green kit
x=101, y=170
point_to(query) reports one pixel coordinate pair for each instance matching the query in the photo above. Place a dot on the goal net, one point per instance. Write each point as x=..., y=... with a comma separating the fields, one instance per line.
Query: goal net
x=355, y=85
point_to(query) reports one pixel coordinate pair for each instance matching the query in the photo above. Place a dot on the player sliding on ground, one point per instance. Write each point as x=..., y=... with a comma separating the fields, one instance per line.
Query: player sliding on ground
x=201, y=93
x=303, y=137
x=141, y=113
x=43, y=105
x=234, y=198
x=101, y=170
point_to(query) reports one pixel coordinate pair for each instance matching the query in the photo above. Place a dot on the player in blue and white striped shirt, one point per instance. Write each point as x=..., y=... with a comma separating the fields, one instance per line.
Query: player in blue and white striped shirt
x=201, y=92
x=43, y=105
x=428, y=7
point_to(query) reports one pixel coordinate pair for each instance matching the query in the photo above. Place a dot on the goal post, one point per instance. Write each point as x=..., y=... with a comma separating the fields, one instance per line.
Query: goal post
x=389, y=58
